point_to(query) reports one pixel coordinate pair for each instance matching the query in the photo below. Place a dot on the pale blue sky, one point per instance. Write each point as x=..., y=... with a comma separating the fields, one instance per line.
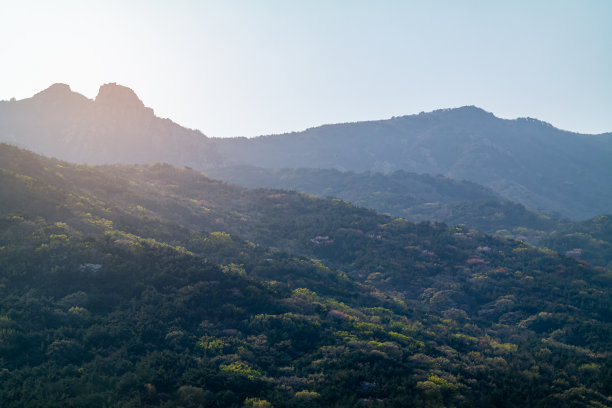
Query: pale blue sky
x=245, y=68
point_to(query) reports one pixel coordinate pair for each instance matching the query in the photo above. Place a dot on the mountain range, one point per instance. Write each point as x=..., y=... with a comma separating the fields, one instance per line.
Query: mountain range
x=128, y=277
x=523, y=160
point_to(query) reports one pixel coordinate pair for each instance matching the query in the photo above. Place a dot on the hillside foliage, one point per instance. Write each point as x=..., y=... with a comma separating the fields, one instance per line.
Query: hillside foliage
x=158, y=286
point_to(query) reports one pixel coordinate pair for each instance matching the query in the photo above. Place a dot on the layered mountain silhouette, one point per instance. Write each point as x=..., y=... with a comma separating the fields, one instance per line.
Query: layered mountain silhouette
x=525, y=160
x=115, y=127
x=155, y=285
x=415, y=197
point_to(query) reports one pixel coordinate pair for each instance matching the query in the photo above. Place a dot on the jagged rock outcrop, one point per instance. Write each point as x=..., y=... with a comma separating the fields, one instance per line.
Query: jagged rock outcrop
x=120, y=100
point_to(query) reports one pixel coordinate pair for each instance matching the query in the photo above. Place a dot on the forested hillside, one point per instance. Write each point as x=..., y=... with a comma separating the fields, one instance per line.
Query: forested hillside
x=589, y=240
x=157, y=286
x=415, y=197
x=420, y=197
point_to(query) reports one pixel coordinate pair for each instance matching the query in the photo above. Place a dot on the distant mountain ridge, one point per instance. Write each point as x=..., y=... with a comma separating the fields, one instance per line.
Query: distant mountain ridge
x=524, y=160
x=415, y=197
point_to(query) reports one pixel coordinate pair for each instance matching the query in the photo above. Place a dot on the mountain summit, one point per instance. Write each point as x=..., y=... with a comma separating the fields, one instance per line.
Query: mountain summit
x=55, y=91
x=116, y=127
x=110, y=95
x=118, y=97
x=58, y=94
x=524, y=160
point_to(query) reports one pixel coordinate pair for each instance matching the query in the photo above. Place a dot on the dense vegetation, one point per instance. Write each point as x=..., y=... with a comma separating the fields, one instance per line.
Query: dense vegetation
x=415, y=197
x=157, y=286
x=421, y=197
x=590, y=240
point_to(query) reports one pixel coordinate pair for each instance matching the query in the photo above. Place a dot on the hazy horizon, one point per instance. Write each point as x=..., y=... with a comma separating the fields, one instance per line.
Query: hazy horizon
x=244, y=69
x=92, y=98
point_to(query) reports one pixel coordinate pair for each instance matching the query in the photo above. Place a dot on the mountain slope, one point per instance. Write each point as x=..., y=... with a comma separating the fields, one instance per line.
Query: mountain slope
x=156, y=286
x=415, y=197
x=590, y=240
x=523, y=160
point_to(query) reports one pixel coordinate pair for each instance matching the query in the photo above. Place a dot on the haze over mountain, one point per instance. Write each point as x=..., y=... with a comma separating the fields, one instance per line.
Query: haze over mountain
x=421, y=197
x=415, y=197
x=256, y=224
x=115, y=127
x=523, y=160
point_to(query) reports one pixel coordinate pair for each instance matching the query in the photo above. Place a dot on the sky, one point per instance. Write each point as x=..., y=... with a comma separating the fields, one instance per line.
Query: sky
x=248, y=68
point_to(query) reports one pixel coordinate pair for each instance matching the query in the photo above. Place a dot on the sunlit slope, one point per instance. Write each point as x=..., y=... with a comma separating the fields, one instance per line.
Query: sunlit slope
x=415, y=197
x=153, y=285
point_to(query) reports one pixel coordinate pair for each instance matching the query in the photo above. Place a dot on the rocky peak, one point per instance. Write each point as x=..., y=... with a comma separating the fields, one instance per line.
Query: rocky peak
x=56, y=92
x=55, y=89
x=469, y=111
x=118, y=97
